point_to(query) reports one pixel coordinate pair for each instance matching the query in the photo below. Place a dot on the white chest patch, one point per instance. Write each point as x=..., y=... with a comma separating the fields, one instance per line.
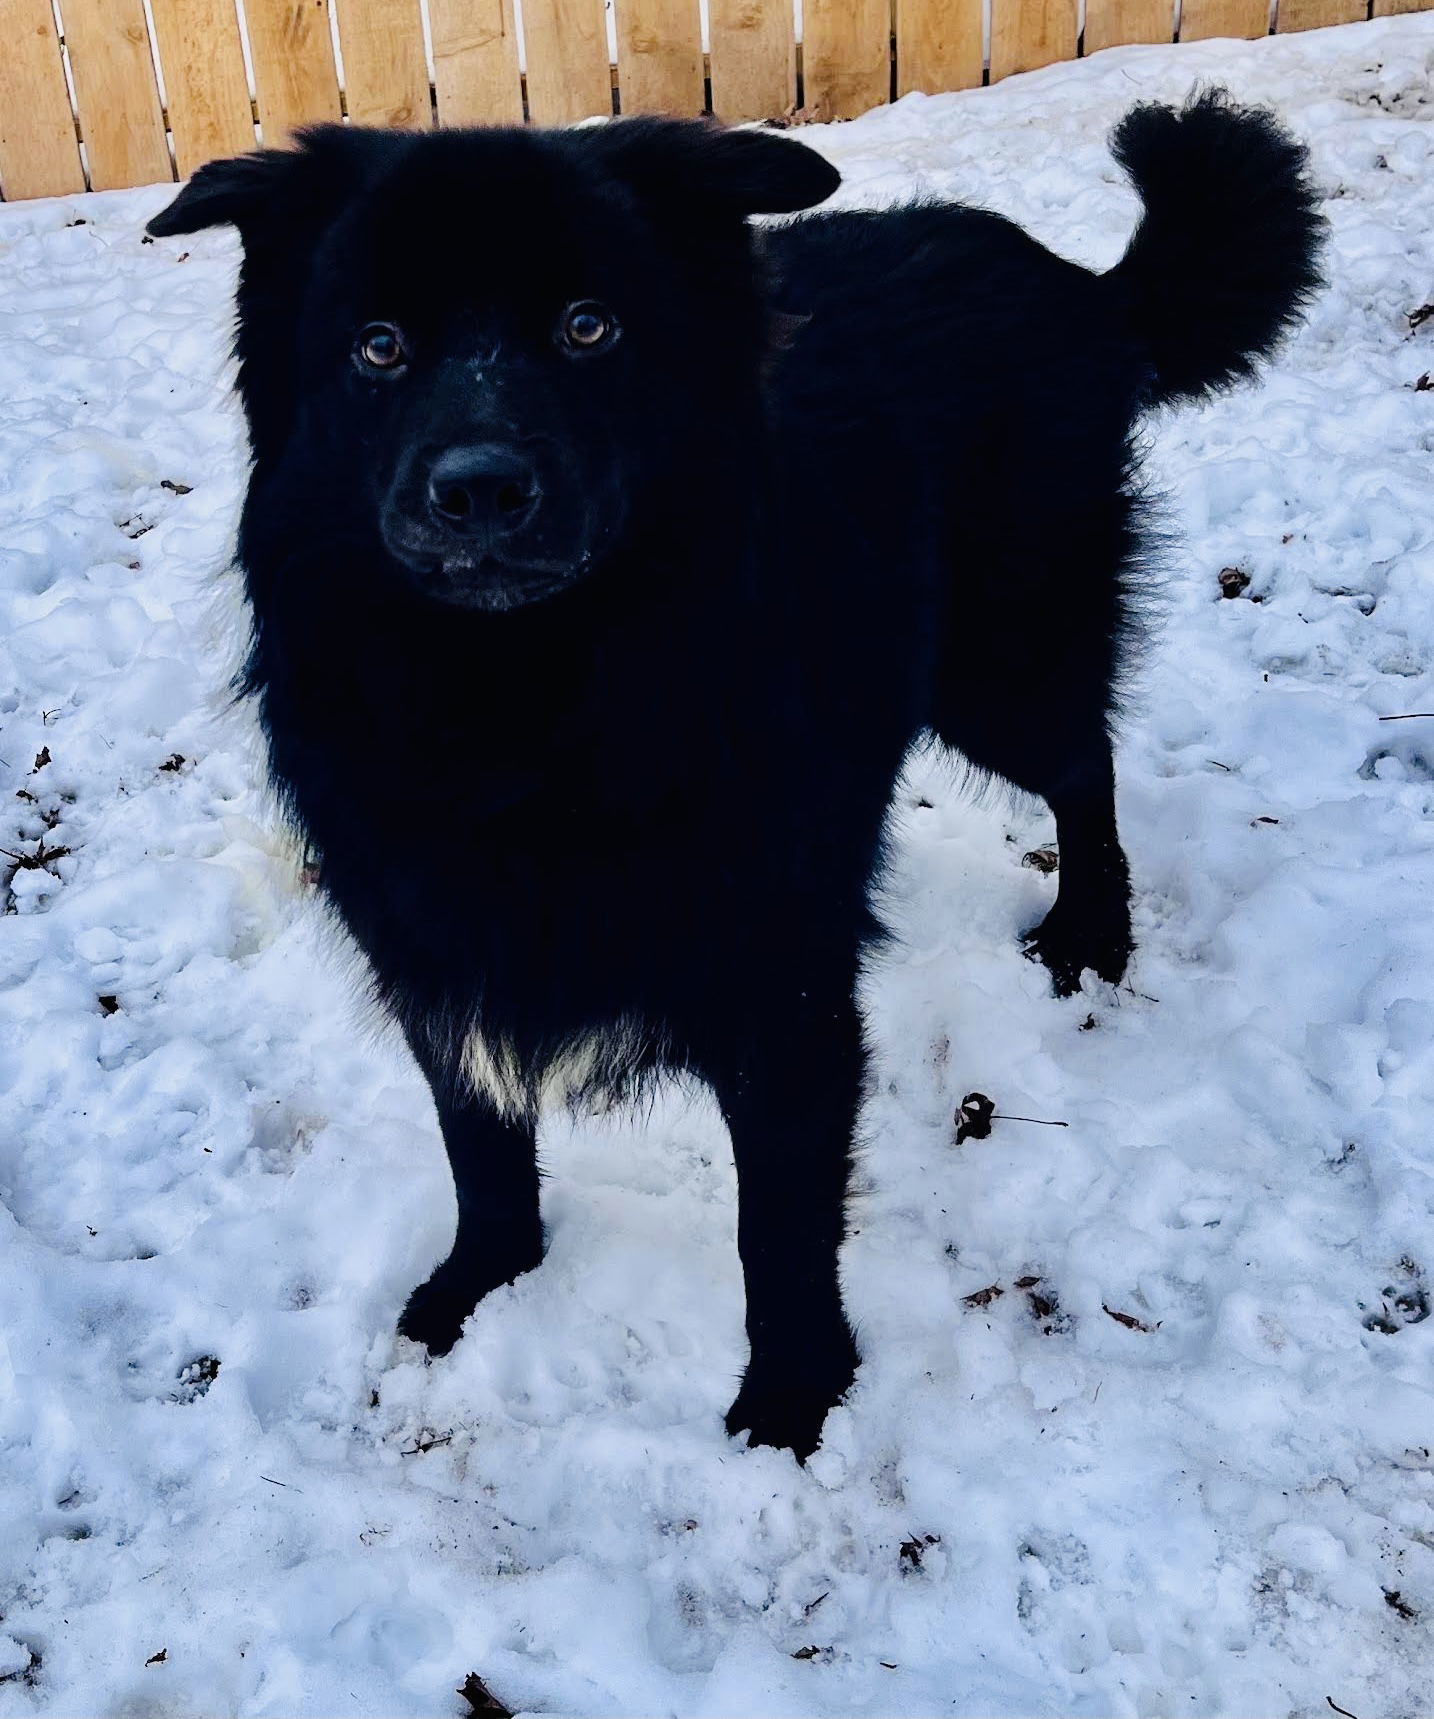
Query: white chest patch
x=591, y=1065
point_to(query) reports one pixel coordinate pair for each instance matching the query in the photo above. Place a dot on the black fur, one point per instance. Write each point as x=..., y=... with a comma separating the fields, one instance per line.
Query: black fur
x=596, y=732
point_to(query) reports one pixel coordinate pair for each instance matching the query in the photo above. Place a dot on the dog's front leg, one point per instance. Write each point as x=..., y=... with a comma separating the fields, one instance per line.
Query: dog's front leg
x=500, y=1234
x=791, y=1100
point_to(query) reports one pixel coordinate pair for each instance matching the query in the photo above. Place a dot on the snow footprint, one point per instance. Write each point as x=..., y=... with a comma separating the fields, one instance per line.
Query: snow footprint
x=1403, y=1301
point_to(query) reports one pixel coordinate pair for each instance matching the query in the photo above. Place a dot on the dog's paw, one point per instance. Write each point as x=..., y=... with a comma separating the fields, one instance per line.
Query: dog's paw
x=434, y=1315
x=787, y=1417
x=783, y=1408
x=437, y=1309
x=1067, y=951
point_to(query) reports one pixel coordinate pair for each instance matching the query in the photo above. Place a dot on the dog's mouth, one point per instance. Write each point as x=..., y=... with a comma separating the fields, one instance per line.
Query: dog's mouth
x=465, y=578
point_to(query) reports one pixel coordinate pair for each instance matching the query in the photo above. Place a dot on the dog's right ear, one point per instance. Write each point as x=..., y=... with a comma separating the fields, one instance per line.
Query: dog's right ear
x=252, y=192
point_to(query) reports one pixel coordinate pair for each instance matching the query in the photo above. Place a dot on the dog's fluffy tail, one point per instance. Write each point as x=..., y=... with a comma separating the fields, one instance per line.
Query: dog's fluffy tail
x=1227, y=252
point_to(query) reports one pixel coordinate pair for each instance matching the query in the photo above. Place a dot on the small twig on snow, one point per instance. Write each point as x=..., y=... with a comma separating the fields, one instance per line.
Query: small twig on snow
x=423, y=1445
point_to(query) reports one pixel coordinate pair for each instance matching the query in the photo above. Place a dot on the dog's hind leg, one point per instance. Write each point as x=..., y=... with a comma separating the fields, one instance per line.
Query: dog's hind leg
x=1089, y=926
x=1027, y=693
x=790, y=1097
x=494, y=1161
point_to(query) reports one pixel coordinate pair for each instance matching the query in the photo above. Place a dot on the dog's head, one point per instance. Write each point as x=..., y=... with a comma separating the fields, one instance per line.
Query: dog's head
x=492, y=350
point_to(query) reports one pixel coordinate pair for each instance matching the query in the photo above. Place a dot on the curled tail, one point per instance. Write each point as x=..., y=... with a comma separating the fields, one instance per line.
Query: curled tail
x=1227, y=252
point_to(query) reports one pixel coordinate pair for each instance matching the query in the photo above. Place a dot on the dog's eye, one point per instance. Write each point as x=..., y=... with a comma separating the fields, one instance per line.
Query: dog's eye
x=586, y=326
x=380, y=347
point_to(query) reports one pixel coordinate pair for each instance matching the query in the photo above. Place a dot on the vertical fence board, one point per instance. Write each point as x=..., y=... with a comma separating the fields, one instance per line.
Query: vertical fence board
x=569, y=74
x=295, y=82
x=938, y=45
x=385, y=75
x=1387, y=8
x=1026, y=34
x=1110, y=22
x=1312, y=14
x=205, y=86
x=846, y=56
x=753, y=58
x=1200, y=19
x=116, y=93
x=659, y=56
x=475, y=62
x=39, y=153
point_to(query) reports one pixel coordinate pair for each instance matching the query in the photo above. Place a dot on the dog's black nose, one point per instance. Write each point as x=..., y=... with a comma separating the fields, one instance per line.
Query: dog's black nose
x=485, y=490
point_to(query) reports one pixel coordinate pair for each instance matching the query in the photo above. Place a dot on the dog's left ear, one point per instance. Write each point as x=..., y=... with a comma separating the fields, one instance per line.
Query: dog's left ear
x=741, y=172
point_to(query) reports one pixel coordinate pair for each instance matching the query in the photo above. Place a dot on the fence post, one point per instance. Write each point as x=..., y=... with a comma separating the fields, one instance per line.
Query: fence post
x=659, y=56
x=1108, y=23
x=116, y=93
x=569, y=74
x=753, y=57
x=1026, y=34
x=846, y=56
x=1313, y=14
x=294, y=76
x=39, y=152
x=205, y=86
x=1200, y=19
x=938, y=45
x=475, y=62
x=385, y=76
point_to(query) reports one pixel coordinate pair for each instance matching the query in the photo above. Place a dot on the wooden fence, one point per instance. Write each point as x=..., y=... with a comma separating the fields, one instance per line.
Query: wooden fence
x=106, y=93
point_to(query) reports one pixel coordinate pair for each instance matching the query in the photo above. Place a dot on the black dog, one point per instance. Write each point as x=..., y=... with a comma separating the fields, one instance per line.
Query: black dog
x=637, y=546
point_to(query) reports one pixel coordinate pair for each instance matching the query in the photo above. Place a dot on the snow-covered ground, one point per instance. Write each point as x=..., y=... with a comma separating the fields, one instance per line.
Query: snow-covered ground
x=1146, y=1424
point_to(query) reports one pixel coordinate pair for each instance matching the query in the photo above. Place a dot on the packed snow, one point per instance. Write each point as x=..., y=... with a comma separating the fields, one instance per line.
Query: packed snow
x=1146, y=1419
